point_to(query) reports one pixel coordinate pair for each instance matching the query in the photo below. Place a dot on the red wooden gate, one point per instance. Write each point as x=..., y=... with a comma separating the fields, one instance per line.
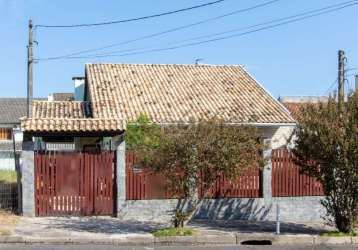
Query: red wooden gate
x=74, y=183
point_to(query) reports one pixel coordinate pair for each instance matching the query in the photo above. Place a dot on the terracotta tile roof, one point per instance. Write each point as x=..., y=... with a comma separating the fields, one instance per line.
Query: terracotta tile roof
x=71, y=125
x=55, y=116
x=61, y=109
x=180, y=93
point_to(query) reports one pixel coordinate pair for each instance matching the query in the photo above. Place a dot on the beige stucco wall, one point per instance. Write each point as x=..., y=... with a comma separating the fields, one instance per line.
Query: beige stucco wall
x=280, y=136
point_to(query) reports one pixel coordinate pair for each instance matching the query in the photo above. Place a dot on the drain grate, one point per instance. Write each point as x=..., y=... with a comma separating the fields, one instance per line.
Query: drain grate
x=256, y=242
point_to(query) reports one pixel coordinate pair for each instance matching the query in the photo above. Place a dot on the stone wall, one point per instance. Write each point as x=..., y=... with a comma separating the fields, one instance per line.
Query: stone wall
x=292, y=209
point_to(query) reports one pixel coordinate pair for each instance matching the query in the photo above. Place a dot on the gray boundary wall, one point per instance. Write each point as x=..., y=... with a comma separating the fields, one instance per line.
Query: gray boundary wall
x=292, y=209
x=27, y=179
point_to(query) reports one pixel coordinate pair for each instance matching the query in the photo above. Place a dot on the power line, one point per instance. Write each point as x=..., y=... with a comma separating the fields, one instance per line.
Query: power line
x=350, y=69
x=225, y=37
x=130, y=19
x=331, y=86
x=164, y=32
x=333, y=7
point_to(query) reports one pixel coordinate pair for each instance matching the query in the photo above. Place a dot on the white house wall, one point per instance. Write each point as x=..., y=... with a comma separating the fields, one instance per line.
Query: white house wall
x=280, y=136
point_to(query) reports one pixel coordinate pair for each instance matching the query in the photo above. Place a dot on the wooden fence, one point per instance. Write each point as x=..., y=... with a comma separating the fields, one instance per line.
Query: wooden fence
x=143, y=184
x=247, y=185
x=287, y=180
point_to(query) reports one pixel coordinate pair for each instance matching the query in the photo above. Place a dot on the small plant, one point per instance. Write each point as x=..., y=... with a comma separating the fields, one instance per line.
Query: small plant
x=174, y=232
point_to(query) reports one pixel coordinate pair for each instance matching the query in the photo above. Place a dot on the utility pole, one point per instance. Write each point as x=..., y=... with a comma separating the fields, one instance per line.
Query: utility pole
x=30, y=62
x=341, y=72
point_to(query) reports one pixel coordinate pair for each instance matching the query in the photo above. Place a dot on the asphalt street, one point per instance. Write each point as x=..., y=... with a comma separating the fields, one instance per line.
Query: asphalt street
x=110, y=247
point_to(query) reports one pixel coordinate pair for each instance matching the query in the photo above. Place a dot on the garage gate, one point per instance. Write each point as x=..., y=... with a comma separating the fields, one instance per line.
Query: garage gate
x=74, y=183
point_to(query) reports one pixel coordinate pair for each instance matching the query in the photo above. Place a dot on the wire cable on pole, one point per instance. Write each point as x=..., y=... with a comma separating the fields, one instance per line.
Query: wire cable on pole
x=165, y=31
x=330, y=87
x=130, y=19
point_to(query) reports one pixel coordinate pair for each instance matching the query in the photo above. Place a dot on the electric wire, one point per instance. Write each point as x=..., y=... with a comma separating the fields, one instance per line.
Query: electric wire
x=130, y=19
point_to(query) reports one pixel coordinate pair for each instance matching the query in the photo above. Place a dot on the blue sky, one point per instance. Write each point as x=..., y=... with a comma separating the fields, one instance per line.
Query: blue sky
x=296, y=59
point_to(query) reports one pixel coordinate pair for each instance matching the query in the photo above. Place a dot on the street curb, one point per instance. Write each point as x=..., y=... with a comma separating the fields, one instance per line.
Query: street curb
x=197, y=240
x=11, y=239
x=149, y=240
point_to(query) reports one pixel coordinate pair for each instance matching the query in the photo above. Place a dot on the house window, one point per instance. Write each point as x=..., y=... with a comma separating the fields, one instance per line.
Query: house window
x=5, y=133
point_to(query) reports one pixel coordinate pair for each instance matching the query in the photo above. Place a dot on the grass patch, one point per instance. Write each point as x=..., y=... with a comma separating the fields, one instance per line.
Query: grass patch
x=8, y=219
x=7, y=222
x=7, y=176
x=174, y=232
x=339, y=234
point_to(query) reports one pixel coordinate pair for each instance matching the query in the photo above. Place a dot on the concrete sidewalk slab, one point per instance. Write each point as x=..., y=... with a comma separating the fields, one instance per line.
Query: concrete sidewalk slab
x=114, y=231
x=83, y=227
x=326, y=240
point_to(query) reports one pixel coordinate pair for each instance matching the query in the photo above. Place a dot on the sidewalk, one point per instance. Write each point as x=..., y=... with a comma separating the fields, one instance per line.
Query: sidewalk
x=107, y=230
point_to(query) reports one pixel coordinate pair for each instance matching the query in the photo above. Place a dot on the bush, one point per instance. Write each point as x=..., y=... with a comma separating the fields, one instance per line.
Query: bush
x=327, y=148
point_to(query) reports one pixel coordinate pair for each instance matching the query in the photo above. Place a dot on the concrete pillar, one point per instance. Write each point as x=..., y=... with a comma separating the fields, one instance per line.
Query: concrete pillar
x=267, y=172
x=27, y=179
x=121, y=174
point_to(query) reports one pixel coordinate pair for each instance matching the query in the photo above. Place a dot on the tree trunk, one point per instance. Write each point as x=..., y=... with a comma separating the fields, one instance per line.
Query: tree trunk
x=344, y=224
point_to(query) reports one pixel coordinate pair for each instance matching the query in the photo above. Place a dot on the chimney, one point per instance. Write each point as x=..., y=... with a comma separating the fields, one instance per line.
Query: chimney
x=50, y=98
x=79, y=88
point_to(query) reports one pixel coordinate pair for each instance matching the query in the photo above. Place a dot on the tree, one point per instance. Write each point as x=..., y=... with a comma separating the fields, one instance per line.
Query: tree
x=196, y=154
x=327, y=148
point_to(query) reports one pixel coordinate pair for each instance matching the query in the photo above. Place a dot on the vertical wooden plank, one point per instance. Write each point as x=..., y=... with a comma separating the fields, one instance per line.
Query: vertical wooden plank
x=127, y=177
x=42, y=186
x=279, y=171
x=273, y=173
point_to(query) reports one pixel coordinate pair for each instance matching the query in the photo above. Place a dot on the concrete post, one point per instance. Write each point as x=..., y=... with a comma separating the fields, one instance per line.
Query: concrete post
x=27, y=179
x=121, y=175
x=267, y=172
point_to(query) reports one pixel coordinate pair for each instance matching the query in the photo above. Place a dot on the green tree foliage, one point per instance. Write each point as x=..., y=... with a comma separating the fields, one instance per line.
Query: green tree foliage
x=142, y=134
x=197, y=153
x=327, y=148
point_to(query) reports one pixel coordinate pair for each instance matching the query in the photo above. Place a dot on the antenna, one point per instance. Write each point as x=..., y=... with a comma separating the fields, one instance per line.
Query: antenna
x=198, y=60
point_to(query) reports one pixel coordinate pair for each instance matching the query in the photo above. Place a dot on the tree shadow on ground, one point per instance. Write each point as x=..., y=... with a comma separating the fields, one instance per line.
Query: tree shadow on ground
x=101, y=225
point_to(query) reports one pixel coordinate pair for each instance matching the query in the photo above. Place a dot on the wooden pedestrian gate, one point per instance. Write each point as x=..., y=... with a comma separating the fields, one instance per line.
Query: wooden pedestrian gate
x=74, y=183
